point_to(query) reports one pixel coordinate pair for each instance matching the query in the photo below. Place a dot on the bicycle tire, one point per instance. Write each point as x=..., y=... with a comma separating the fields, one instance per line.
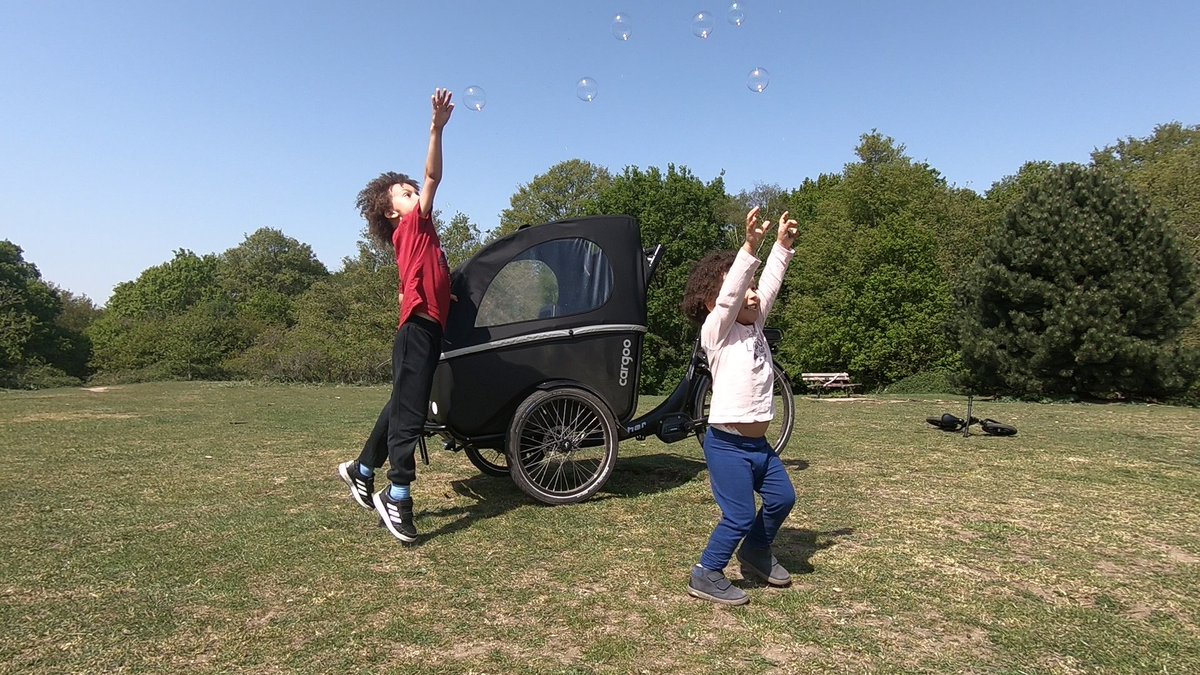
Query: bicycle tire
x=563, y=445
x=784, y=422
x=490, y=462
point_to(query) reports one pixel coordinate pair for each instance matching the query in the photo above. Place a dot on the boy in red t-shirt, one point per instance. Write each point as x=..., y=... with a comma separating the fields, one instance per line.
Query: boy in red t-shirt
x=399, y=213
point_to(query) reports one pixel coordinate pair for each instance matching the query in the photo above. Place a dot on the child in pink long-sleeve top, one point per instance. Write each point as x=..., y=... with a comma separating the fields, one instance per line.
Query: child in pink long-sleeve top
x=723, y=297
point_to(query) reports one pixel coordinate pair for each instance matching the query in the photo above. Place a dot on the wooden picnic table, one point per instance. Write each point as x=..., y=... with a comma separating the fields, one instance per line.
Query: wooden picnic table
x=828, y=381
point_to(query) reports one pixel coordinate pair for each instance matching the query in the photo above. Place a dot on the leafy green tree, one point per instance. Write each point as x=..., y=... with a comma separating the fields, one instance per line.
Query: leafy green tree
x=77, y=315
x=1084, y=292
x=269, y=260
x=568, y=189
x=881, y=183
x=460, y=239
x=687, y=216
x=35, y=349
x=262, y=276
x=869, y=290
x=1010, y=190
x=1165, y=167
x=192, y=316
x=343, y=329
x=197, y=343
x=167, y=289
x=26, y=308
x=132, y=333
x=78, y=310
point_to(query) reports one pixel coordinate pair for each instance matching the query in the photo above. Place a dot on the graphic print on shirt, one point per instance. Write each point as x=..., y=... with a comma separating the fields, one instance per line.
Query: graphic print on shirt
x=761, y=352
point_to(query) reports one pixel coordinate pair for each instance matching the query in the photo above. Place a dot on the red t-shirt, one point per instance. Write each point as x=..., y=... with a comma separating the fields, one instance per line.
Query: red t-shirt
x=424, y=270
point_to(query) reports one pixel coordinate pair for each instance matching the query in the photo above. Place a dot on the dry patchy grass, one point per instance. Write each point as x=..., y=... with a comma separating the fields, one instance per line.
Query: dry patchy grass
x=168, y=526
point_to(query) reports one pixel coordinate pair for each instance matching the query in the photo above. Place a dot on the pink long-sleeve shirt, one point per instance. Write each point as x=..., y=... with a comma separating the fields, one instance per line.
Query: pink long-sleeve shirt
x=738, y=355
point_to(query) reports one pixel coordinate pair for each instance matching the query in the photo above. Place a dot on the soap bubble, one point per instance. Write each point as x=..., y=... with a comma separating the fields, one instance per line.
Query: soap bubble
x=475, y=97
x=586, y=89
x=758, y=80
x=737, y=14
x=702, y=25
x=622, y=29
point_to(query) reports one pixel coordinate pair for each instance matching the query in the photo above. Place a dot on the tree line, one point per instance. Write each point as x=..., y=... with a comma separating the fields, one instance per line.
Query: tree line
x=1074, y=280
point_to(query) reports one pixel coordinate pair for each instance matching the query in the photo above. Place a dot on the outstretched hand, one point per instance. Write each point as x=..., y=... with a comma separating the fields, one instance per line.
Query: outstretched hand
x=755, y=231
x=788, y=229
x=442, y=107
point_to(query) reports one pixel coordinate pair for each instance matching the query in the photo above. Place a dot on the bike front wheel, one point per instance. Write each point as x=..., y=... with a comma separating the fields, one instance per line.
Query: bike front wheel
x=780, y=431
x=562, y=445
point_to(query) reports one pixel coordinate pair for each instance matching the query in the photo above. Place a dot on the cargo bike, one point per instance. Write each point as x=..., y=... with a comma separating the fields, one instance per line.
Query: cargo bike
x=541, y=358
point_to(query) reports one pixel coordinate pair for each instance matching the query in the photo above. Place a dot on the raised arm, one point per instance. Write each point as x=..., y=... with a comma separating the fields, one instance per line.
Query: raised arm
x=777, y=264
x=442, y=108
x=733, y=289
x=755, y=231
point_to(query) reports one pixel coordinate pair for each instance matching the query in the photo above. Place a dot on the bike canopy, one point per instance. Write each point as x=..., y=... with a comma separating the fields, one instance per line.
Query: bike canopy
x=560, y=302
x=571, y=273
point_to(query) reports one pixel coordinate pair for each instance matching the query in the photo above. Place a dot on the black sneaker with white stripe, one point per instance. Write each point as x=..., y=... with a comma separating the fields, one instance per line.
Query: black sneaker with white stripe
x=397, y=515
x=360, y=488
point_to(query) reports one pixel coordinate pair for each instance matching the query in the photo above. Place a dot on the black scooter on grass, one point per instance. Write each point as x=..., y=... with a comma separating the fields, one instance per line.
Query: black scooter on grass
x=948, y=422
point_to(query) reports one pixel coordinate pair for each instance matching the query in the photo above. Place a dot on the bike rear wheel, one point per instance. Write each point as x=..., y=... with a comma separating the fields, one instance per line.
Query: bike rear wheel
x=489, y=461
x=780, y=431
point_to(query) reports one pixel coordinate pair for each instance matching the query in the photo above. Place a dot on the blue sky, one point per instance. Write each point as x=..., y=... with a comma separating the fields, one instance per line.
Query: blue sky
x=132, y=128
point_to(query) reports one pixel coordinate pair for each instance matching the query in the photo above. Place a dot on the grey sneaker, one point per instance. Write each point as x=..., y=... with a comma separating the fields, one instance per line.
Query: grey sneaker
x=360, y=488
x=761, y=563
x=713, y=586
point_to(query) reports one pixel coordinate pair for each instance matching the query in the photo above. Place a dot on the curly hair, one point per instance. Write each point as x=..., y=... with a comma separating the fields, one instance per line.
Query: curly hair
x=375, y=201
x=704, y=283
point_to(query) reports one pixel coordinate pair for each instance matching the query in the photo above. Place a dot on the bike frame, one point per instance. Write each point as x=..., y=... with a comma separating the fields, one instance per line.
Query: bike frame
x=674, y=418
x=677, y=416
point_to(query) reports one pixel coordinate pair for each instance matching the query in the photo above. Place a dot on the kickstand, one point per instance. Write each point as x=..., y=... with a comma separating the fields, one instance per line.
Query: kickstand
x=967, y=426
x=424, y=450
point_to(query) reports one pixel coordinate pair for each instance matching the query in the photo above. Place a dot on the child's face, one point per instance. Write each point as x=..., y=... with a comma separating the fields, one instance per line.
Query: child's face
x=748, y=313
x=404, y=199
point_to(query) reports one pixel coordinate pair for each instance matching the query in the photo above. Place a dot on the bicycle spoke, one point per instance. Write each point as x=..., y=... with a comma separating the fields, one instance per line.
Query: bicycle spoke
x=563, y=447
x=552, y=445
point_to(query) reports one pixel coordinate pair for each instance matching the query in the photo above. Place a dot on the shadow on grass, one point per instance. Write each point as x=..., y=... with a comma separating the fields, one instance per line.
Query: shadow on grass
x=493, y=495
x=795, y=549
x=496, y=495
x=649, y=474
x=631, y=477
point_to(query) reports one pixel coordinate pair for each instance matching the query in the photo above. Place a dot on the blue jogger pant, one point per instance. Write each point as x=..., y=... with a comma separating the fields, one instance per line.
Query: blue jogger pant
x=738, y=467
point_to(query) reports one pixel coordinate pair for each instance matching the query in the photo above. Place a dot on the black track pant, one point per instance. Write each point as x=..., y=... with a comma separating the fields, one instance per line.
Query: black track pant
x=398, y=430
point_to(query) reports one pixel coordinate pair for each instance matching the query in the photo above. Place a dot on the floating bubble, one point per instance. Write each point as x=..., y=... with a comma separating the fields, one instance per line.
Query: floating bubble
x=758, y=80
x=737, y=14
x=702, y=25
x=622, y=29
x=475, y=97
x=586, y=89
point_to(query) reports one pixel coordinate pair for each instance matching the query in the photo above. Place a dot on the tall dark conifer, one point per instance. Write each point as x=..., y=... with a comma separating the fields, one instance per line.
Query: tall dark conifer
x=1083, y=291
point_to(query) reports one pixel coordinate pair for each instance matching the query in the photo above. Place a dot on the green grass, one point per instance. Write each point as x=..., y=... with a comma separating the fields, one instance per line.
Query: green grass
x=159, y=527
